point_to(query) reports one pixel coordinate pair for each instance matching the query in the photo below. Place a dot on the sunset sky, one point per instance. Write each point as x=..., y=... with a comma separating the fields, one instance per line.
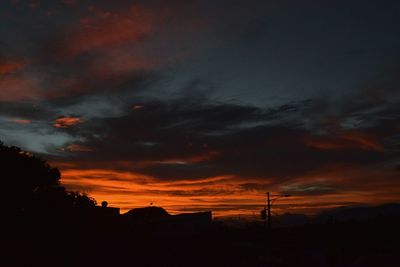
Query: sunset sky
x=206, y=105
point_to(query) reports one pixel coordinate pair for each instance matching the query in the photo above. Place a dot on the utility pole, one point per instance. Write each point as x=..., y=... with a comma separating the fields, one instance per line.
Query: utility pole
x=268, y=211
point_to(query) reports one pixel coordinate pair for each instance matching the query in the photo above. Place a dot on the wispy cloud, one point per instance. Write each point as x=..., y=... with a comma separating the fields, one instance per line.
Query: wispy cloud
x=66, y=122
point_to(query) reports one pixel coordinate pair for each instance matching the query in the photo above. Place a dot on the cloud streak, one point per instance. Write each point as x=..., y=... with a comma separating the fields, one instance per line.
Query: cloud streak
x=66, y=122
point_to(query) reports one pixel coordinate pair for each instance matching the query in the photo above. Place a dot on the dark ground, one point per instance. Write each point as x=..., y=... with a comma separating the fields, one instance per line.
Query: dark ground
x=82, y=241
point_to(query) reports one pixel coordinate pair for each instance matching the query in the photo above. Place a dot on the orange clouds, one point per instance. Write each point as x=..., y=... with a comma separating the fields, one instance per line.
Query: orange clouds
x=11, y=66
x=363, y=140
x=322, y=143
x=128, y=190
x=13, y=88
x=344, y=140
x=230, y=195
x=115, y=43
x=111, y=29
x=208, y=155
x=78, y=148
x=100, y=49
x=66, y=122
x=14, y=85
x=139, y=37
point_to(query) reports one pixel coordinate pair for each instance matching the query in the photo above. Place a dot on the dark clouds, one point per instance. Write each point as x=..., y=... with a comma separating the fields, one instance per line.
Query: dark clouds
x=184, y=140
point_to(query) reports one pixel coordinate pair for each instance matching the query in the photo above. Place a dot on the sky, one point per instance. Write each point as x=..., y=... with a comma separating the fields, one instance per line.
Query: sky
x=206, y=105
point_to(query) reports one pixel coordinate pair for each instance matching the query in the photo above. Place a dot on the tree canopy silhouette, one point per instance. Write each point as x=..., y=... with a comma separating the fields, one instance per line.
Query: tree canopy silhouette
x=30, y=183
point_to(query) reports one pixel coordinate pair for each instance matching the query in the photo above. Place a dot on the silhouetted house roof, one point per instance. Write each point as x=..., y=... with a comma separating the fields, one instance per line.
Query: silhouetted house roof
x=162, y=220
x=147, y=214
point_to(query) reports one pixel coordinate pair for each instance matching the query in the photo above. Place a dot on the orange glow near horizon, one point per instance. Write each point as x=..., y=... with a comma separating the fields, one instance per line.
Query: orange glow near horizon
x=224, y=195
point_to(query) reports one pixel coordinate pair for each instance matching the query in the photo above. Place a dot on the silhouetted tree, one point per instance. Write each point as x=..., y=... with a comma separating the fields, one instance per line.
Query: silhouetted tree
x=30, y=183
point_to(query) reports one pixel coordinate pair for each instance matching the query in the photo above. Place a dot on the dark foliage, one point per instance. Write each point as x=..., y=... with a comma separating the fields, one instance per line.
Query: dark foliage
x=31, y=185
